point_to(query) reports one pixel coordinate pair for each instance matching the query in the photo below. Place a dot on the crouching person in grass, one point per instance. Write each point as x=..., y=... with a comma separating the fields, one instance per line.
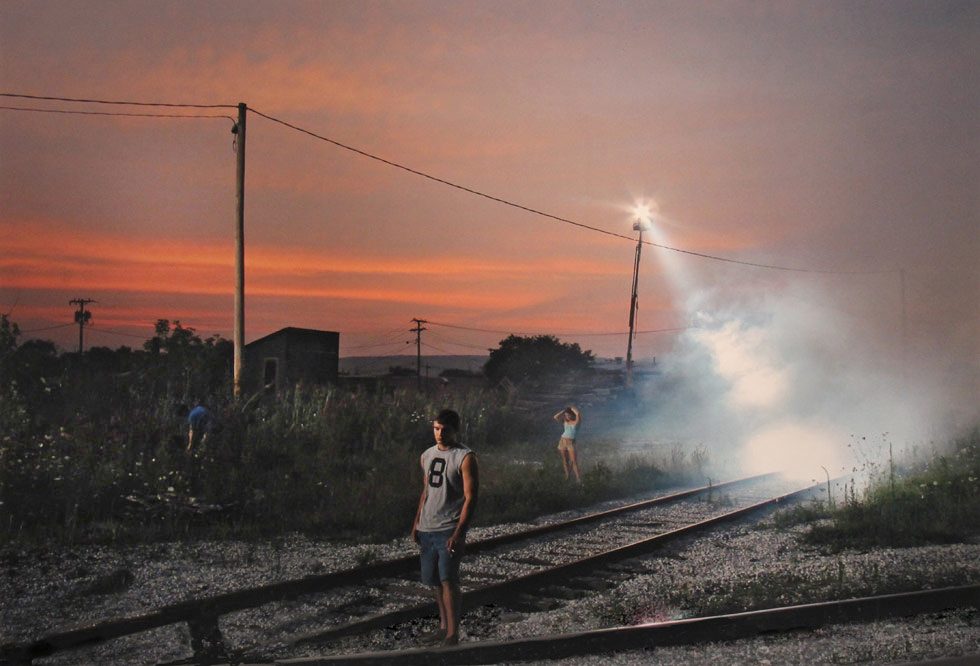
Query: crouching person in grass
x=450, y=486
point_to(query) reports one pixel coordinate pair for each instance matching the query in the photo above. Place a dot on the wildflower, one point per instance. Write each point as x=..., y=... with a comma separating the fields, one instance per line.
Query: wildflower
x=170, y=489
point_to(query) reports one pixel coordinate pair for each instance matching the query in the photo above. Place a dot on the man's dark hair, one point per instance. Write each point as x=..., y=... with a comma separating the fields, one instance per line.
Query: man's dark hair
x=448, y=417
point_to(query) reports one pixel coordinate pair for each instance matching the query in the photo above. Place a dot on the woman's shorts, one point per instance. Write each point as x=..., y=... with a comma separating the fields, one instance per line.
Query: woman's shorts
x=566, y=444
x=438, y=564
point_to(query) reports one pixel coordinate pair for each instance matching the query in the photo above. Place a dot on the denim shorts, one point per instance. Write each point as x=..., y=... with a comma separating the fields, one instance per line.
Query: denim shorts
x=438, y=564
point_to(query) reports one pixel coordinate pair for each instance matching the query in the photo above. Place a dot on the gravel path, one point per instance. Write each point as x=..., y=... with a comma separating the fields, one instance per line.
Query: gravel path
x=735, y=568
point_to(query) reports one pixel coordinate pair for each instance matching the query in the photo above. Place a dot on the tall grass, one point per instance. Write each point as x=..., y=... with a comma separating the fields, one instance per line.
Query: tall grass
x=932, y=501
x=103, y=460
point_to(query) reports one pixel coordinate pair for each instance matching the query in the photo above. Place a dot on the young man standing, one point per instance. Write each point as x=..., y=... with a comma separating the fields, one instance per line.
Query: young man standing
x=450, y=485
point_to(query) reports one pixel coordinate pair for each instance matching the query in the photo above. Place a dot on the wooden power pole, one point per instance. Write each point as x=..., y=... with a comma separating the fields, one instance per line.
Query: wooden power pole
x=239, y=334
x=418, y=348
x=633, y=297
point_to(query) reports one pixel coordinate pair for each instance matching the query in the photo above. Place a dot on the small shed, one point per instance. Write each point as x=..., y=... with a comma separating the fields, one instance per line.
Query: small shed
x=292, y=355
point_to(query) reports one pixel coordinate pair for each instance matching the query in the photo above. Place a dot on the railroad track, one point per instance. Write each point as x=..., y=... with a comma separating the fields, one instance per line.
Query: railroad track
x=531, y=569
x=678, y=632
x=542, y=573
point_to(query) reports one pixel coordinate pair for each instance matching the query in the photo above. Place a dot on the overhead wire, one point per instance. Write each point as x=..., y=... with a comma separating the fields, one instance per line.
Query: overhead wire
x=379, y=344
x=438, y=349
x=550, y=216
x=46, y=328
x=567, y=334
x=122, y=333
x=447, y=182
x=408, y=169
x=457, y=343
x=116, y=113
x=119, y=102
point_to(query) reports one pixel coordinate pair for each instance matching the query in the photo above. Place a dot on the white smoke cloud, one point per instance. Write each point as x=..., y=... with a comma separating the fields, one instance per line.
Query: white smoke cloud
x=790, y=381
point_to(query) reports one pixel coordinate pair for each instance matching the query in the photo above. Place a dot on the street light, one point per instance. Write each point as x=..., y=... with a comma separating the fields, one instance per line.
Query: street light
x=641, y=224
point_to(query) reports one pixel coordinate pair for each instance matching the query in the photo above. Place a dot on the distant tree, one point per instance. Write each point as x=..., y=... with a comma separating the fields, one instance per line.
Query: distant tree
x=173, y=339
x=199, y=366
x=9, y=331
x=536, y=358
x=401, y=371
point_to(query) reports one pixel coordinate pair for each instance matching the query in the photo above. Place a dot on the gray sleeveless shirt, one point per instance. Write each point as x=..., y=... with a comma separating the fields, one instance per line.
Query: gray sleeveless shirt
x=444, y=498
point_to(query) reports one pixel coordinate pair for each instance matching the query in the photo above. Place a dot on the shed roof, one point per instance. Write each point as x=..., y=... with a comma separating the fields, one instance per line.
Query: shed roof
x=293, y=330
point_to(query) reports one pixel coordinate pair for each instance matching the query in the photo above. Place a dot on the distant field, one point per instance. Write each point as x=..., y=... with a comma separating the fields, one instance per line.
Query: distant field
x=380, y=365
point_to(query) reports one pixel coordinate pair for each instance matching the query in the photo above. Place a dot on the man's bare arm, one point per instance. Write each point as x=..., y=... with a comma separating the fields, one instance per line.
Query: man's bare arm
x=418, y=511
x=471, y=492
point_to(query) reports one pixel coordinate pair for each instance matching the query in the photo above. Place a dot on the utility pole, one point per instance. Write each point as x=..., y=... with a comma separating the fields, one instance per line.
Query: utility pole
x=418, y=348
x=905, y=324
x=239, y=335
x=82, y=318
x=639, y=226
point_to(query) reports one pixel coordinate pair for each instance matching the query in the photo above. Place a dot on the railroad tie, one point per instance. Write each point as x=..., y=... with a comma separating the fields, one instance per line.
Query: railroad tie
x=206, y=639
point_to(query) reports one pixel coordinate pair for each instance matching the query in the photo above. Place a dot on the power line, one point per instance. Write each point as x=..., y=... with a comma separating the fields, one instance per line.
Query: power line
x=655, y=330
x=566, y=334
x=438, y=349
x=46, y=328
x=442, y=181
x=456, y=343
x=540, y=213
x=379, y=344
x=128, y=335
x=114, y=113
x=126, y=103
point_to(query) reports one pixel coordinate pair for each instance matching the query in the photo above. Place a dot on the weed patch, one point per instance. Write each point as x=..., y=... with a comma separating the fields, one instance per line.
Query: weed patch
x=330, y=462
x=935, y=502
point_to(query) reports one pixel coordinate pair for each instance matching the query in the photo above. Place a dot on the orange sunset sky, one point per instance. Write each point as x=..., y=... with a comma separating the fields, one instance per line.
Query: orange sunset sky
x=824, y=136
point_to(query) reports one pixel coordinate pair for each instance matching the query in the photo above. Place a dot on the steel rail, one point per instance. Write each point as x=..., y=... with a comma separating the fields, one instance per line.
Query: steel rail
x=562, y=573
x=678, y=632
x=202, y=614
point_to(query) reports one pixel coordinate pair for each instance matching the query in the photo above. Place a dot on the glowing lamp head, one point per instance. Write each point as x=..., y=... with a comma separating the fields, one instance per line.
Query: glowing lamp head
x=643, y=217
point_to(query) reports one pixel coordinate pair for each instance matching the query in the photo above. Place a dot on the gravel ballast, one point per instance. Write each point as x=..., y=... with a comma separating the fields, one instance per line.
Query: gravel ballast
x=739, y=567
